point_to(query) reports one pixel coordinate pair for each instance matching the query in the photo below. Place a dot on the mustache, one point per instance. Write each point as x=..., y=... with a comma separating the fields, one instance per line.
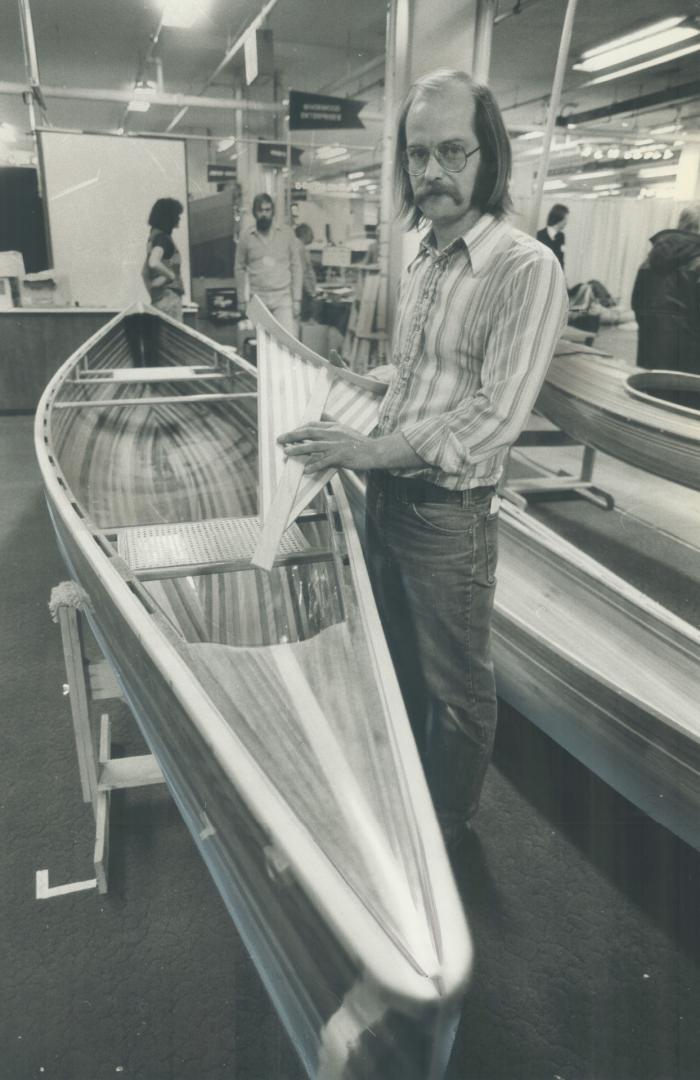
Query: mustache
x=433, y=187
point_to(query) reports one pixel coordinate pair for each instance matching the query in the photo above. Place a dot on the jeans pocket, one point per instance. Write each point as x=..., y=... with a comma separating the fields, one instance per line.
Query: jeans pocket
x=446, y=518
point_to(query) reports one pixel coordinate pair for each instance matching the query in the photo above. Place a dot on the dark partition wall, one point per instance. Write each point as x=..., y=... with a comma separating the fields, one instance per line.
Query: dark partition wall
x=22, y=217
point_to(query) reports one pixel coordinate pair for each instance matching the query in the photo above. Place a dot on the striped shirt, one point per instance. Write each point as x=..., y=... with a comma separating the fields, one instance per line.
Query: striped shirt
x=476, y=328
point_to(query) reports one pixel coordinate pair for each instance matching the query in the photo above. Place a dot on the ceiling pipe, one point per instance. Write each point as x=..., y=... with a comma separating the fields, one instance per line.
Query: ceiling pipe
x=228, y=56
x=173, y=100
x=483, y=38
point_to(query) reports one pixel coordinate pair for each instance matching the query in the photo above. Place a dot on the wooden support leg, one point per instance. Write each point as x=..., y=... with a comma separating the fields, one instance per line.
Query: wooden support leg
x=73, y=655
x=102, y=811
x=100, y=774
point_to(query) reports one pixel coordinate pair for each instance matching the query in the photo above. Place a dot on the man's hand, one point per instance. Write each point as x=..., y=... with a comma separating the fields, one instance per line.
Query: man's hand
x=324, y=444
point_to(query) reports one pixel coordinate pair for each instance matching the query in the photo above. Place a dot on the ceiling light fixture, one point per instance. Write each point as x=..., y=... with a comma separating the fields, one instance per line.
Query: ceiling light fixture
x=658, y=170
x=138, y=105
x=554, y=185
x=652, y=41
x=355, y=175
x=530, y=135
x=663, y=59
x=182, y=14
x=226, y=144
x=635, y=35
x=667, y=129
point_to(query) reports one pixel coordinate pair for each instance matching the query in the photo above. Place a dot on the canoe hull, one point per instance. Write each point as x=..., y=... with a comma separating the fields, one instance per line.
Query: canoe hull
x=565, y=673
x=653, y=449
x=292, y=908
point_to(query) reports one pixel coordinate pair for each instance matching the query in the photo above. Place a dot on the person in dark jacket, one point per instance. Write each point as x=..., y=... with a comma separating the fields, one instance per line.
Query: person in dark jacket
x=666, y=298
x=552, y=236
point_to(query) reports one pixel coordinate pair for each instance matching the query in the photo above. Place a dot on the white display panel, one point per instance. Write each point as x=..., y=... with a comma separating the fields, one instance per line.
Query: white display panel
x=98, y=192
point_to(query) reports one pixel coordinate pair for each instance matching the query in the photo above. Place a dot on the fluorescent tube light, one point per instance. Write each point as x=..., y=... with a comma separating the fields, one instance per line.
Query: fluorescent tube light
x=658, y=170
x=663, y=59
x=612, y=56
x=355, y=175
x=138, y=105
x=554, y=185
x=530, y=135
x=635, y=35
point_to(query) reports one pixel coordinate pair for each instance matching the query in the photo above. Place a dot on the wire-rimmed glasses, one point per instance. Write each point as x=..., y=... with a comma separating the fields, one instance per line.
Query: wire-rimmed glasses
x=451, y=155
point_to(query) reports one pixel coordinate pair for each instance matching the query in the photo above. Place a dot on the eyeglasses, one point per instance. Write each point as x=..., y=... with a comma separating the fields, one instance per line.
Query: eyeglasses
x=450, y=155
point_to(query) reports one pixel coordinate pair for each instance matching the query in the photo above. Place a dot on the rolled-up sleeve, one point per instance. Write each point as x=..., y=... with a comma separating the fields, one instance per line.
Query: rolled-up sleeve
x=528, y=317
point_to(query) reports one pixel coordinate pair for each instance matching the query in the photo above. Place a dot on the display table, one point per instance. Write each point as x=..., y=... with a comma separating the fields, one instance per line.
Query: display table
x=34, y=342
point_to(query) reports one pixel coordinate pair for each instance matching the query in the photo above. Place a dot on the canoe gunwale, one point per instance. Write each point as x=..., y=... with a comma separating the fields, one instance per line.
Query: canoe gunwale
x=357, y=929
x=679, y=378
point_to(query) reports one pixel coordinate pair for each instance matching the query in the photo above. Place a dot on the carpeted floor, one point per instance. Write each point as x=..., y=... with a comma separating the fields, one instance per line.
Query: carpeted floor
x=584, y=913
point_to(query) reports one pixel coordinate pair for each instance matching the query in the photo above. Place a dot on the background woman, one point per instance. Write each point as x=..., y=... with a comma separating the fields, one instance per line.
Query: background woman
x=161, y=269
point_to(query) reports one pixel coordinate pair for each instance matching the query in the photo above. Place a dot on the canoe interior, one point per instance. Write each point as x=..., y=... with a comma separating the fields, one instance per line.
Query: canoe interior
x=675, y=388
x=168, y=488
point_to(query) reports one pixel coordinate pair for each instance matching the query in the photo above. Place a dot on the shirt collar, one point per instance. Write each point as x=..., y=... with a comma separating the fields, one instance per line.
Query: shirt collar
x=481, y=241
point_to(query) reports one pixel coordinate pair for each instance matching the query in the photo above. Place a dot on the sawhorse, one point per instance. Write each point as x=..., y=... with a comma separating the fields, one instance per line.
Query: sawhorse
x=100, y=773
x=529, y=487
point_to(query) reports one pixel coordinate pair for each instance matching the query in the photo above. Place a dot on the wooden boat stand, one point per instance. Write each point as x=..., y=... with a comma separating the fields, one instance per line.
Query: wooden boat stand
x=100, y=774
x=530, y=487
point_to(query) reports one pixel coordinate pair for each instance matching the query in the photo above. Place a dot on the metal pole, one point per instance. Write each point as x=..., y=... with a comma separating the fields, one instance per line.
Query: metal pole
x=397, y=24
x=31, y=64
x=483, y=36
x=554, y=102
x=229, y=55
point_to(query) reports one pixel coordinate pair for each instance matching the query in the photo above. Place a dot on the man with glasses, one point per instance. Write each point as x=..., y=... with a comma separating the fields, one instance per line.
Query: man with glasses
x=480, y=311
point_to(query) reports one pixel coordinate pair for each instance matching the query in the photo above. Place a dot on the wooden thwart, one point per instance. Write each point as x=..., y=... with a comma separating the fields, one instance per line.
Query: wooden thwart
x=173, y=373
x=177, y=399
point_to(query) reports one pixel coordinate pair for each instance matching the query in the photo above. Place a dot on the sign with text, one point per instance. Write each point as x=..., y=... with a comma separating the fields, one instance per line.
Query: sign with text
x=276, y=154
x=313, y=112
x=217, y=173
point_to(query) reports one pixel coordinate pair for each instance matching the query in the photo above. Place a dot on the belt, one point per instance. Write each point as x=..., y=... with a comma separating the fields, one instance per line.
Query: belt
x=415, y=490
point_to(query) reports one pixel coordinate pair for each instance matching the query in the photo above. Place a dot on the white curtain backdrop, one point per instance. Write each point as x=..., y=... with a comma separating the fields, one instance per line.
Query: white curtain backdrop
x=607, y=238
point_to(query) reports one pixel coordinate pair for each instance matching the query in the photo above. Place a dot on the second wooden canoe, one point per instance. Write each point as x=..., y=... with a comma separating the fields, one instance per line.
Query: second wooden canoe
x=648, y=419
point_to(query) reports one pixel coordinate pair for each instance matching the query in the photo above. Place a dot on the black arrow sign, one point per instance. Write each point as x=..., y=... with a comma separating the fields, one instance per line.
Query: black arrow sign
x=313, y=112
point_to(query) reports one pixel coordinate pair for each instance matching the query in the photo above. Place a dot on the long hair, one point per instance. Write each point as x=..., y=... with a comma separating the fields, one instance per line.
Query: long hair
x=493, y=175
x=165, y=214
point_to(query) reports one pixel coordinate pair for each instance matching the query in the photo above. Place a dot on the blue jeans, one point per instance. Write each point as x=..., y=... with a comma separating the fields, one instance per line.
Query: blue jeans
x=433, y=567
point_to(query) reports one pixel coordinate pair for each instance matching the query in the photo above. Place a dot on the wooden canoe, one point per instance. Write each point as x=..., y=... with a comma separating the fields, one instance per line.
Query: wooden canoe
x=268, y=699
x=605, y=671
x=648, y=419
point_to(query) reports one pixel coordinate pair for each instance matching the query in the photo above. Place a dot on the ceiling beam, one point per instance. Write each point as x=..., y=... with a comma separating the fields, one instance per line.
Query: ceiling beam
x=176, y=101
x=636, y=104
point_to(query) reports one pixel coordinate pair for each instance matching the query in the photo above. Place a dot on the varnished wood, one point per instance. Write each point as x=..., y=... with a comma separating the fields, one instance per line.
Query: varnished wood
x=283, y=774
x=589, y=397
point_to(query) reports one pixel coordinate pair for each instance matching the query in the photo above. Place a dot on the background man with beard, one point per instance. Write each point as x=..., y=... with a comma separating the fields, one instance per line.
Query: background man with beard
x=480, y=311
x=268, y=254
